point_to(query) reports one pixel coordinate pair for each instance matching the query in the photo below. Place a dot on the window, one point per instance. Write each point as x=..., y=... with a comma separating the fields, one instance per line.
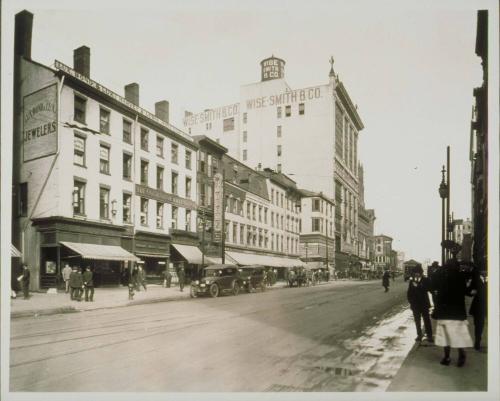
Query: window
x=78, y=197
x=278, y=131
x=175, y=178
x=272, y=219
x=144, y=139
x=248, y=210
x=288, y=111
x=79, y=112
x=144, y=172
x=104, y=121
x=159, y=177
x=265, y=215
x=188, y=188
x=209, y=164
x=279, y=150
x=242, y=234
x=254, y=212
x=302, y=109
x=104, y=203
x=228, y=124
x=245, y=155
x=187, y=226
x=159, y=215
x=316, y=224
x=261, y=238
x=144, y=211
x=316, y=205
x=244, y=136
x=235, y=233
x=127, y=166
x=174, y=153
x=127, y=208
x=174, y=216
x=79, y=150
x=201, y=161
x=272, y=195
x=278, y=110
x=104, y=159
x=245, y=117
x=159, y=146
x=127, y=131
x=188, y=159
x=23, y=199
x=260, y=214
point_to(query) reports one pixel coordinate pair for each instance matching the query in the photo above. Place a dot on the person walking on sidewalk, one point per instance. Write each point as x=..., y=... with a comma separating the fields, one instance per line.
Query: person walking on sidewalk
x=452, y=326
x=76, y=284
x=385, y=280
x=141, y=277
x=182, y=276
x=479, y=306
x=167, y=281
x=419, y=302
x=88, y=282
x=25, y=281
x=66, y=272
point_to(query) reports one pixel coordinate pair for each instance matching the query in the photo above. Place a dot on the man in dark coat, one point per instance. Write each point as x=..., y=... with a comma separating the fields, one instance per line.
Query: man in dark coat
x=479, y=306
x=385, y=280
x=88, y=282
x=419, y=302
x=181, y=274
x=76, y=284
x=25, y=281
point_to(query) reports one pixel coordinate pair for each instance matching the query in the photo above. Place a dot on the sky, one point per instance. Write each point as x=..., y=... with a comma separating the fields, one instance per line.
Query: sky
x=409, y=66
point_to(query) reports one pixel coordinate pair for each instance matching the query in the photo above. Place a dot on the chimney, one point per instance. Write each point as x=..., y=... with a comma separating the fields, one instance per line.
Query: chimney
x=132, y=93
x=81, y=60
x=22, y=36
x=187, y=114
x=162, y=110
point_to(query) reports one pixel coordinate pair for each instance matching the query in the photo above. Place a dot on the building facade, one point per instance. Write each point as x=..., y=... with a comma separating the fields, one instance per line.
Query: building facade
x=311, y=133
x=384, y=256
x=97, y=180
x=366, y=226
x=317, y=237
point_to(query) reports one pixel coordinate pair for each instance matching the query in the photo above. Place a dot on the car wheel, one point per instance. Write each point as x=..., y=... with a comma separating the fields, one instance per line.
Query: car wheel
x=214, y=290
x=193, y=293
x=236, y=288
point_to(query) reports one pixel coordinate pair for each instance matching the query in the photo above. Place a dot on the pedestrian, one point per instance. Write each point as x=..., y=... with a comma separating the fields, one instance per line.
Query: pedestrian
x=182, y=276
x=76, y=284
x=66, y=272
x=478, y=288
x=418, y=298
x=141, y=277
x=385, y=280
x=452, y=326
x=25, y=281
x=134, y=279
x=88, y=282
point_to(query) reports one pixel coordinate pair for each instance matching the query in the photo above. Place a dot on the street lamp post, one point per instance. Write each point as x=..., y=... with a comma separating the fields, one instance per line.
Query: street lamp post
x=443, y=193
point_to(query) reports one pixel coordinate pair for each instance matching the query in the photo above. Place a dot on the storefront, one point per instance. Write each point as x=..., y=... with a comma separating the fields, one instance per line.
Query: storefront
x=185, y=252
x=280, y=263
x=154, y=252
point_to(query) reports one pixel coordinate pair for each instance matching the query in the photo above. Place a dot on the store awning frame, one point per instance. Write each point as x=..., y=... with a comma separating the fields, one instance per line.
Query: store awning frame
x=100, y=252
x=192, y=254
x=14, y=252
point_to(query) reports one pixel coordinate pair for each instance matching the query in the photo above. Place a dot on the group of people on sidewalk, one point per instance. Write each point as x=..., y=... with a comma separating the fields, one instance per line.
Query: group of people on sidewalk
x=77, y=283
x=448, y=286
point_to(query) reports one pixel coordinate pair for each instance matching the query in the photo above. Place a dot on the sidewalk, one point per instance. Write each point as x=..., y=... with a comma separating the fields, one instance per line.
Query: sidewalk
x=421, y=370
x=41, y=303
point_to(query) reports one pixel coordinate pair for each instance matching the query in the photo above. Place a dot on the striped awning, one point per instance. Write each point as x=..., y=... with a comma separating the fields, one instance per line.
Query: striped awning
x=100, y=252
x=14, y=252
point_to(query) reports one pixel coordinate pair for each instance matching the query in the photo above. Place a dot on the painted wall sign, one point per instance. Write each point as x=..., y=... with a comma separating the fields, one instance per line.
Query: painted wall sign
x=212, y=115
x=62, y=67
x=152, y=193
x=218, y=206
x=40, y=123
x=285, y=98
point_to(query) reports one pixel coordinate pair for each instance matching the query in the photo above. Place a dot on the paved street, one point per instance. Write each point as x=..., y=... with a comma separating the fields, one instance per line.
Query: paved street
x=320, y=338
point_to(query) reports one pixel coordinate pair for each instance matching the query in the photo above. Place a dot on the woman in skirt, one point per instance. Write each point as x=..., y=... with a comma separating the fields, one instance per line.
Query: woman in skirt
x=452, y=330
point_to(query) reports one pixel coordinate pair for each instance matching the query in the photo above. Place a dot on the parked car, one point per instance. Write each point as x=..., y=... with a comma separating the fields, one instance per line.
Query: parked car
x=216, y=280
x=253, y=277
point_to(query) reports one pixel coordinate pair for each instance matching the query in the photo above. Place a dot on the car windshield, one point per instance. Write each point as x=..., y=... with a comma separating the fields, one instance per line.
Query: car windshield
x=212, y=273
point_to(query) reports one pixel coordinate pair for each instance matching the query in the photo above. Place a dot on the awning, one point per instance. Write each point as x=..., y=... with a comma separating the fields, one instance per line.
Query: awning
x=265, y=260
x=14, y=252
x=314, y=265
x=192, y=254
x=100, y=252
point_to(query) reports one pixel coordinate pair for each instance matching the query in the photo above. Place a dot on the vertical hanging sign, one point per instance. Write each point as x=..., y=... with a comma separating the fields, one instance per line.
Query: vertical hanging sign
x=218, y=206
x=40, y=123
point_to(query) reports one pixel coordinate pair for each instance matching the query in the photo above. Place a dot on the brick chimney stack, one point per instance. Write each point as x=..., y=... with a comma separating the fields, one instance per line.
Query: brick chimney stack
x=81, y=60
x=132, y=93
x=162, y=110
x=22, y=35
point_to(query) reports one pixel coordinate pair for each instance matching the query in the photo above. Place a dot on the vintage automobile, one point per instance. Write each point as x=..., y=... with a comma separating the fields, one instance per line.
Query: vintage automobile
x=253, y=277
x=216, y=280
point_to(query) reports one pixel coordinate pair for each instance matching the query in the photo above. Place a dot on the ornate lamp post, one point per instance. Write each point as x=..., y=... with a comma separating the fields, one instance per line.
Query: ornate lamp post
x=443, y=193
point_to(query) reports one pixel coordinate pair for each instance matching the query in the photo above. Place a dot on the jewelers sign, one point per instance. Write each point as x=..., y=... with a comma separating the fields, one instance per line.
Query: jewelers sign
x=40, y=123
x=218, y=206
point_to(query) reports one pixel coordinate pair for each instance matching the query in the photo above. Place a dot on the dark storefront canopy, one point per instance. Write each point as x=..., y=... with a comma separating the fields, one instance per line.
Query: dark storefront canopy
x=191, y=253
x=100, y=252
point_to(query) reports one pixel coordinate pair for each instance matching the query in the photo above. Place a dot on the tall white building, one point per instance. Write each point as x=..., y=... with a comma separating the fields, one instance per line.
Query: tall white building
x=310, y=132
